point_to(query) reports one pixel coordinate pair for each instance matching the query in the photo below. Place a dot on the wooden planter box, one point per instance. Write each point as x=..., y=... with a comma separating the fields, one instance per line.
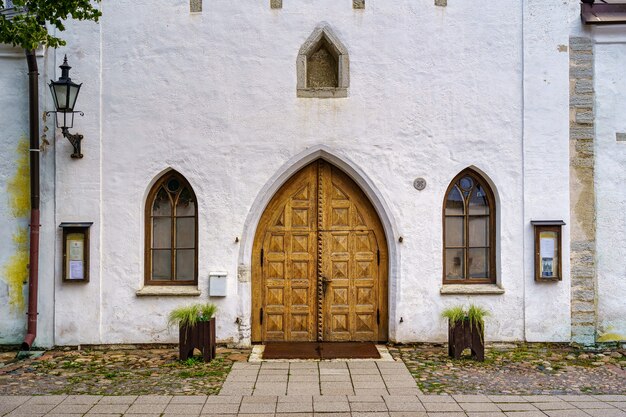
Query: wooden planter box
x=462, y=336
x=200, y=336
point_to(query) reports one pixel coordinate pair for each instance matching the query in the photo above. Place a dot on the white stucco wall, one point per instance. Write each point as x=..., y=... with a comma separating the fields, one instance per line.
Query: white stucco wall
x=79, y=188
x=610, y=88
x=213, y=96
x=14, y=84
x=14, y=125
x=546, y=159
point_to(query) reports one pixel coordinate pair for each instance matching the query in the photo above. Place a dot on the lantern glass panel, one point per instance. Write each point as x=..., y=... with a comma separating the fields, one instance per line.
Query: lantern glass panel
x=60, y=94
x=54, y=95
x=73, y=95
x=65, y=119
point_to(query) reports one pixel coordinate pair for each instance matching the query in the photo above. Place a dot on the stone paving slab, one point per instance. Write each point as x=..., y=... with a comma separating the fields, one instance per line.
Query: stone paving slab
x=354, y=378
x=316, y=406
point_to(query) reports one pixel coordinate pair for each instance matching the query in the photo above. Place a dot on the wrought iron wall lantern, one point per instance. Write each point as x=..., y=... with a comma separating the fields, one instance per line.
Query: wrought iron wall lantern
x=64, y=93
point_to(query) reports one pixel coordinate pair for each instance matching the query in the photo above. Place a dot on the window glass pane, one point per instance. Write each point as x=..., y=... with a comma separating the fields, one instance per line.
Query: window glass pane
x=478, y=203
x=478, y=262
x=173, y=185
x=454, y=264
x=161, y=265
x=186, y=232
x=478, y=231
x=186, y=205
x=185, y=265
x=161, y=232
x=162, y=205
x=455, y=231
x=454, y=203
x=466, y=183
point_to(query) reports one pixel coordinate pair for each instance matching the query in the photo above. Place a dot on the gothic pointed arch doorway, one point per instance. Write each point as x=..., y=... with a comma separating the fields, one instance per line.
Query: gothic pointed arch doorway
x=320, y=264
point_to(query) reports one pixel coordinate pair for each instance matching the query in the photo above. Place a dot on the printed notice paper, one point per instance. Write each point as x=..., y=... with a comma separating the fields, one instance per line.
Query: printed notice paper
x=76, y=250
x=76, y=270
x=547, y=247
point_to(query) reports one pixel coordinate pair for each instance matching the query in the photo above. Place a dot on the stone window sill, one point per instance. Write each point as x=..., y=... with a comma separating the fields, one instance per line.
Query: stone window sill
x=328, y=92
x=171, y=290
x=471, y=289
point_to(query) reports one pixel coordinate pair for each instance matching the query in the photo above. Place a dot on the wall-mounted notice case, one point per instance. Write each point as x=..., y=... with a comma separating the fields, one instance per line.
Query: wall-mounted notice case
x=75, y=251
x=548, y=250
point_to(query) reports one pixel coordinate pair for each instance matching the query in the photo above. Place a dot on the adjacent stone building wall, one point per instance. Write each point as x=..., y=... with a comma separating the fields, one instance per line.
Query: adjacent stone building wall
x=582, y=191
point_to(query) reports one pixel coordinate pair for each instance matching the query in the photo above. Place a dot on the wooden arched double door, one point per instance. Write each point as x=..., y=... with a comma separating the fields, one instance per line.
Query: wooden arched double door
x=319, y=267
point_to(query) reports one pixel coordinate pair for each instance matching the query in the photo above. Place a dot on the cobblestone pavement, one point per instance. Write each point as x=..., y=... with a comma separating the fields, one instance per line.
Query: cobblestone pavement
x=509, y=369
x=323, y=406
x=361, y=378
x=115, y=372
x=516, y=369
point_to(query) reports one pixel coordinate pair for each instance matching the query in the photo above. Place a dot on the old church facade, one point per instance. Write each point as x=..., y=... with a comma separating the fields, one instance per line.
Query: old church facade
x=328, y=170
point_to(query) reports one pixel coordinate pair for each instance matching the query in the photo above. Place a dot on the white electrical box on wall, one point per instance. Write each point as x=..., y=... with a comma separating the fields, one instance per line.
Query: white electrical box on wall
x=217, y=284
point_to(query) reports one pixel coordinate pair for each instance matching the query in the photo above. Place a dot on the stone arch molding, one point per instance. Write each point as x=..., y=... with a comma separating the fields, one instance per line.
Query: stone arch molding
x=325, y=40
x=287, y=170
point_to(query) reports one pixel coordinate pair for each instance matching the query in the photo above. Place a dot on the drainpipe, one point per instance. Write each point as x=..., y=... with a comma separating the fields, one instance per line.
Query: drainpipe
x=33, y=270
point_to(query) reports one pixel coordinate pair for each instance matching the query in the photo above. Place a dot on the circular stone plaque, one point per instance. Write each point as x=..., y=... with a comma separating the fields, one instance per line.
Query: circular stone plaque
x=419, y=184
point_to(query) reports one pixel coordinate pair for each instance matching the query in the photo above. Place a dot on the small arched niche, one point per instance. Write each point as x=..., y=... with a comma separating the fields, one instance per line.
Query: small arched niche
x=323, y=66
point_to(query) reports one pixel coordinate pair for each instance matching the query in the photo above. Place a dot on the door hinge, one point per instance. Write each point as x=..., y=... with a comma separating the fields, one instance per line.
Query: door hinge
x=378, y=316
x=378, y=256
x=261, y=257
x=261, y=315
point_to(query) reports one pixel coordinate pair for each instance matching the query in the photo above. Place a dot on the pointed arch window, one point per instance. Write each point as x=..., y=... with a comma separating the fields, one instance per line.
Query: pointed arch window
x=469, y=214
x=171, y=232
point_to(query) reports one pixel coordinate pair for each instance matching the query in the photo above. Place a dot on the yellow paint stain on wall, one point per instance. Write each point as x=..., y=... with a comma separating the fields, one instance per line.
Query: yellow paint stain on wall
x=15, y=271
x=610, y=335
x=18, y=187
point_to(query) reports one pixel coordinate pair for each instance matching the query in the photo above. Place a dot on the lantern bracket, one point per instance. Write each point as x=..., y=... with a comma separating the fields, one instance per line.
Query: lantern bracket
x=74, y=138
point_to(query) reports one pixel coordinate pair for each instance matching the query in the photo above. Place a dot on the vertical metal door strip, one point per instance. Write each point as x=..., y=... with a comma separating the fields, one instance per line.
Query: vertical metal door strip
x=320, y=279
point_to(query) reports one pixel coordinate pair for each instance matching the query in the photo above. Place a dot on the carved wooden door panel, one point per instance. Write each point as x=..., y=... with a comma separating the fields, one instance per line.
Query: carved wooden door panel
x=349, y=269
x=285, y=301
x=322, y=270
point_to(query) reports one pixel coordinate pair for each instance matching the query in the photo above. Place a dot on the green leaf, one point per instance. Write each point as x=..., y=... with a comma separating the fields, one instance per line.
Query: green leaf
x=454, y=314
x=30, y=28
x=188, y=316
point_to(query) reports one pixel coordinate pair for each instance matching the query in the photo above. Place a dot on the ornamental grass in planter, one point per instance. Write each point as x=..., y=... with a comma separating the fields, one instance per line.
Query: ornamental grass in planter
x=466, y=330
x=196, y=329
